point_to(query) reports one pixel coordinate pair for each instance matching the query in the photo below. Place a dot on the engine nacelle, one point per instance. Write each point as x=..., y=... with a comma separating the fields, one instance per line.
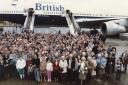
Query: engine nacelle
x=110, y=28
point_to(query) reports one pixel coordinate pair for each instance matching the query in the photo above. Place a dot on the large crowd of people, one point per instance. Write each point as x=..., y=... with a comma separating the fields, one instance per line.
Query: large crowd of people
x=58, y=57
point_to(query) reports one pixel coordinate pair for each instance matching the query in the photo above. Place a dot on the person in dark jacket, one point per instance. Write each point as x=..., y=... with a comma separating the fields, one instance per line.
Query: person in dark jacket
x=108, y=68
x=1, y=70
x=56, y=68
x=113, y=53
x=76, y=71
x=102, y=38
x=70, y=68
x=7, y=66
x=95, y=49
x=36, y=65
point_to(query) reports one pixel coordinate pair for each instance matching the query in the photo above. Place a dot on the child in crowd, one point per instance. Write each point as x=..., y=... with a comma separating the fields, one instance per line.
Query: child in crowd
x=30, y=72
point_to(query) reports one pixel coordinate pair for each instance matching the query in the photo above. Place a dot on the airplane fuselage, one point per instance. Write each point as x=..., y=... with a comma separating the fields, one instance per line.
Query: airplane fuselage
x=46, y=13
x=111, y=19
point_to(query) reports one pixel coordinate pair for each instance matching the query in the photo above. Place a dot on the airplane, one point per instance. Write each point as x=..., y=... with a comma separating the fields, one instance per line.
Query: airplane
x=112, y=19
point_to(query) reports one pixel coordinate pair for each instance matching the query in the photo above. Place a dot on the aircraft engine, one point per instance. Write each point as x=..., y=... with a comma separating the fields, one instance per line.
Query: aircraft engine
x=110, y=28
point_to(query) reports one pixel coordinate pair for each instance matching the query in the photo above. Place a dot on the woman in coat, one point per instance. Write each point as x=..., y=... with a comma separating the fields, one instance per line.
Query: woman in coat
x=56, y=69
x=83, y=70
x=43, y=69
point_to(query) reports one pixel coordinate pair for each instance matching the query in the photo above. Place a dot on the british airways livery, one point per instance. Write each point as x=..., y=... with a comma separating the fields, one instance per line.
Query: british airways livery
x=110, y=16
x=48, y=7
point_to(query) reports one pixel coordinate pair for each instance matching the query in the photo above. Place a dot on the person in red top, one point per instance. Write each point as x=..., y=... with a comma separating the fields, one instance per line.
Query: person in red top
x=56, y=68
x=29, y=61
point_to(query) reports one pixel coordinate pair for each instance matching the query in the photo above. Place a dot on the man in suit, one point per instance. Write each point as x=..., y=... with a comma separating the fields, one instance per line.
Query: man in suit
x=71, y=66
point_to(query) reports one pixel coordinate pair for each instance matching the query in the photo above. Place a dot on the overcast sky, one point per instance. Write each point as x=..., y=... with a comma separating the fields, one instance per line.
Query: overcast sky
x=93, y=6
x=98, y=5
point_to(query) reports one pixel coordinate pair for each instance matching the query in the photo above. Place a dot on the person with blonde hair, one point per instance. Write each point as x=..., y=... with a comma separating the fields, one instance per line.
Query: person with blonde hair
x=83, y=70
x=43, y=72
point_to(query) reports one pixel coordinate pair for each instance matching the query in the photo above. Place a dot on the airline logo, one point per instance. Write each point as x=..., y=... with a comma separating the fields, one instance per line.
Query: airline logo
x=48, y=7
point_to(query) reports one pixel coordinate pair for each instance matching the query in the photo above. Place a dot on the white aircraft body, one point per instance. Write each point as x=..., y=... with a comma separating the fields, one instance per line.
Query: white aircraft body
x=111, y=16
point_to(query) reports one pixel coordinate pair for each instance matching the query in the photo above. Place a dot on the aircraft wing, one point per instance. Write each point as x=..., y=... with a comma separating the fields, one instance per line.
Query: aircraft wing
x=93, y=22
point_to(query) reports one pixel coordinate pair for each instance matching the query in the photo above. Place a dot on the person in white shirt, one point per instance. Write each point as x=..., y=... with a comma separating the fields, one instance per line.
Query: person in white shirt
x=49, y=68
x=20, y=65
x=63, y=65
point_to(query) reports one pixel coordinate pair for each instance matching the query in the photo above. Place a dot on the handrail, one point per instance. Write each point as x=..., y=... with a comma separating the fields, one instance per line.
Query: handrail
x=73, y=26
